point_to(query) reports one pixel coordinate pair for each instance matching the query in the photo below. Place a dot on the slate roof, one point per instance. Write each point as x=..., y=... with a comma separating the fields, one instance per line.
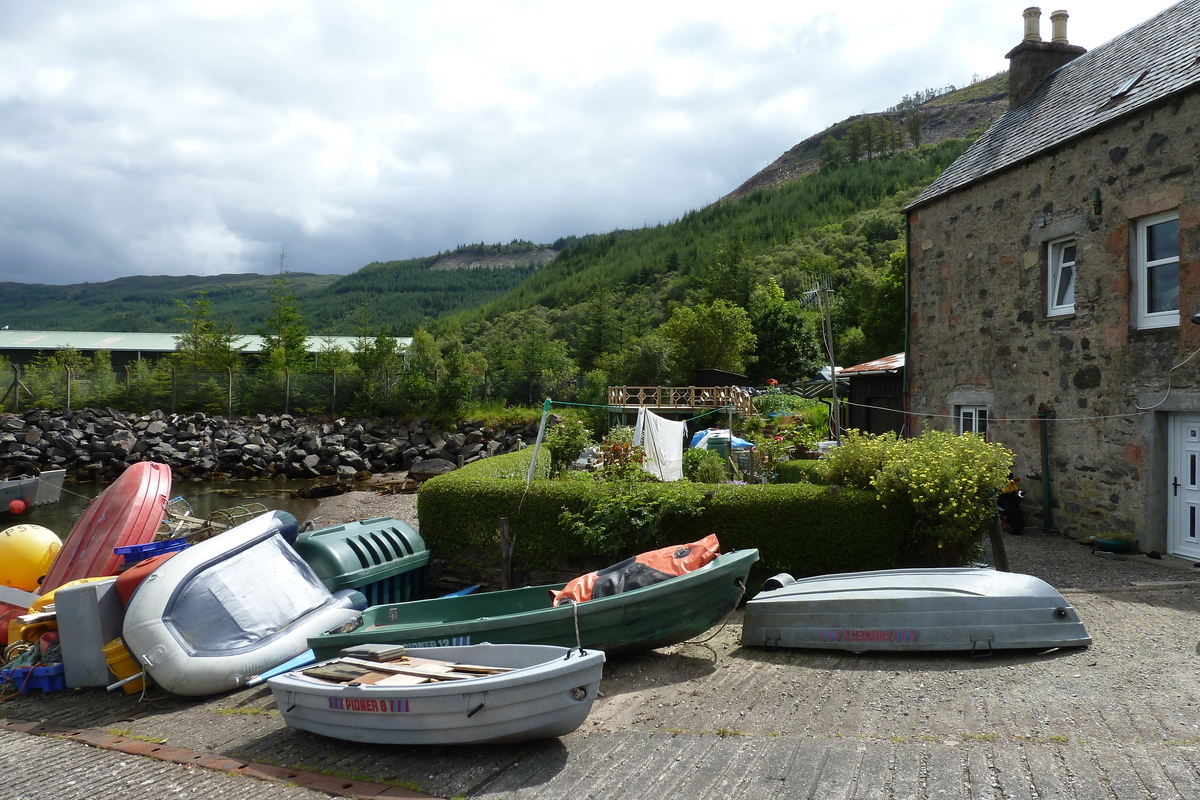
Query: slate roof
x=1081, y=96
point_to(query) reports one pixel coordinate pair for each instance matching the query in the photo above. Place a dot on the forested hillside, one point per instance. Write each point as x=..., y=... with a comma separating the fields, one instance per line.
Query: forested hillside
x=725, y=287
x=406, y=294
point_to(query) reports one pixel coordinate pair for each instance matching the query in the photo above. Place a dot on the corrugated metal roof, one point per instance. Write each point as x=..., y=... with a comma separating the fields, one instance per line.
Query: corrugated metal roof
x=1085, y=94
x=145, y=342
x=887, y=364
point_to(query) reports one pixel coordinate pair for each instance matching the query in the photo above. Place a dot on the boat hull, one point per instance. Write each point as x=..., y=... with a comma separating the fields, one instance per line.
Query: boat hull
x=549, y=693
x=126, y=513
x=978, y=610
x=662, y=614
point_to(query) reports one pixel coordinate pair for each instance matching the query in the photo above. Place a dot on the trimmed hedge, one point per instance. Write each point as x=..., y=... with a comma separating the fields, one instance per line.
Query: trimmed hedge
x=800, y=470
x=798, y=528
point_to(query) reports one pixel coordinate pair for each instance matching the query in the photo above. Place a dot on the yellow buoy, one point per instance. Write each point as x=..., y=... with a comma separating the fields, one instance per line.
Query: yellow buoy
x=26, y=553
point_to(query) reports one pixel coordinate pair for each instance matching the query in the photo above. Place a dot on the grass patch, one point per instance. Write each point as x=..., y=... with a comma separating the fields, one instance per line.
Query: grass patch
x=128, y=734
x=247, y=712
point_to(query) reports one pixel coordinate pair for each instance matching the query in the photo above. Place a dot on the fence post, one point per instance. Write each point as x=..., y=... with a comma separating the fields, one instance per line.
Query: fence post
x=68, y=369
x=229, y=385
x=333, y=397
x=287, y=388
x=128, y=381
x=506, y=554
x=174, y=377
x=16, y=389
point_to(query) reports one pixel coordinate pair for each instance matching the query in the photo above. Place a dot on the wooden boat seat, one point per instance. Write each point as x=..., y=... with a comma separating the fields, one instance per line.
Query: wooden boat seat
x=405, y=671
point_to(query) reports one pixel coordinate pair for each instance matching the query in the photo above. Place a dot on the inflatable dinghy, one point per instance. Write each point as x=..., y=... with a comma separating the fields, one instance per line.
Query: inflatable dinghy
x=230, y=607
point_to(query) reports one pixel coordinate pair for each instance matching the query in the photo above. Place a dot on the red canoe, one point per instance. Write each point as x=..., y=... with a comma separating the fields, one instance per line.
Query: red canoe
x=126, y=513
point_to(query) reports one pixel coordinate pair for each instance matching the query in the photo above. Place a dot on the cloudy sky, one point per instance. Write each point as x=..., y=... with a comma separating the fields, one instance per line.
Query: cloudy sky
x=152, y=137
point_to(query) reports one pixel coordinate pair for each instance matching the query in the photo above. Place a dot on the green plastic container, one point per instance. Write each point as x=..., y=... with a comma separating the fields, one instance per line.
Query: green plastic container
x=383, y=558
x=720, y=445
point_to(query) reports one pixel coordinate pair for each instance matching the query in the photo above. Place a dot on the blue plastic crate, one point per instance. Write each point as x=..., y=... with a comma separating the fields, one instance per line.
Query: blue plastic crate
x=140, y=552
x=48, y=678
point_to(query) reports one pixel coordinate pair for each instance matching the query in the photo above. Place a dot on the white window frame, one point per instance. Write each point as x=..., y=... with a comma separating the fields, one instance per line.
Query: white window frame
x=1142, y=317
x=1054, y=282
x=968, y=419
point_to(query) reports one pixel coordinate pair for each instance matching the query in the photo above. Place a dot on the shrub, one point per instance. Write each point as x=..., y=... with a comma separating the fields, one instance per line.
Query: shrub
x=629, y=518
x=702, y=465
x=805, y=470
x=566, y=441
x=949, y=481
x=859, y=458
x=946, y=483
x=621, y=459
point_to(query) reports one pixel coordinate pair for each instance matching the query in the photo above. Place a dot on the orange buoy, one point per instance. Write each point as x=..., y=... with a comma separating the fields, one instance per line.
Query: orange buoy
x=17, y=506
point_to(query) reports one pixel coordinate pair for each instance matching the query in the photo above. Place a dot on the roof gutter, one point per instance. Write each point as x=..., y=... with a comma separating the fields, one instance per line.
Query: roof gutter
x=908, y=361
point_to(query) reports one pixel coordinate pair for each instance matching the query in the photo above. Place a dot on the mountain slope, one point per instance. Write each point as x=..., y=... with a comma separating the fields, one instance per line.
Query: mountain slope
x=953, y=115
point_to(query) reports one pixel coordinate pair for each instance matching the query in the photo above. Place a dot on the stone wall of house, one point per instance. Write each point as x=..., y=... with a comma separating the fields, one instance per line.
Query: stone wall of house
x=980, y=334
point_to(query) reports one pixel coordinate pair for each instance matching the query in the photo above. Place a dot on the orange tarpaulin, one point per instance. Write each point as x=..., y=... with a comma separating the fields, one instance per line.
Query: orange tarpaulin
x=644, y=570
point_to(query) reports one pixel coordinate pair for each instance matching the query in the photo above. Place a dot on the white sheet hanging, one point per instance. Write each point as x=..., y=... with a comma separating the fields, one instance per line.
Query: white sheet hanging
x=662, y=439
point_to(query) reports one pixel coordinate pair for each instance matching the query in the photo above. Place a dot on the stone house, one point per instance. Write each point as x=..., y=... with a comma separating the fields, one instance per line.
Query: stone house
x=1054, y=283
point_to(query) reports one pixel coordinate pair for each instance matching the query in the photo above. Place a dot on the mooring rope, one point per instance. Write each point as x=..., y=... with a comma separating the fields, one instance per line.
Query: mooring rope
x=724, y=622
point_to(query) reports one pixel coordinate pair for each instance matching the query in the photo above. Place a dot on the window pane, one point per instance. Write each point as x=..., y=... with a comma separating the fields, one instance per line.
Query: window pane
x=966, y=422
x=1066, y=287
x=1162, y=240
x=981, y=421
x=1068, y=254
x=1162, y=288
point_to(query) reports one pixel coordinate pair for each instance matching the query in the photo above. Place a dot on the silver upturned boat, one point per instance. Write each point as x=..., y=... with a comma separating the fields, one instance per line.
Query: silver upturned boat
x=952, y=608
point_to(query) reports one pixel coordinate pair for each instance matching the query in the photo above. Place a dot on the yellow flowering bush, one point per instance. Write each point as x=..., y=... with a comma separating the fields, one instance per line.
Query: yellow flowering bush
x=950, y=481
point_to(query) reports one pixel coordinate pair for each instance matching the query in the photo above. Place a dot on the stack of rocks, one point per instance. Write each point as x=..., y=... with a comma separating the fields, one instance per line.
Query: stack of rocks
x=97, y=444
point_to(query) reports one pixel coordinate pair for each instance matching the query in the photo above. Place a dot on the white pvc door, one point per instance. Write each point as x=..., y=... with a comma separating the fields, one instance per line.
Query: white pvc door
x=1183, y=487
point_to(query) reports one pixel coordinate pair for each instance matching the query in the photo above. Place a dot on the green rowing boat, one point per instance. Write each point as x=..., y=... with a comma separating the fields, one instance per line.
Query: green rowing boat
x=662, y=614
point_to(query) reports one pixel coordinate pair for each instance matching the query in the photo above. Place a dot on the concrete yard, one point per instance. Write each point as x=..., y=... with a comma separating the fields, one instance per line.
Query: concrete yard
x=1120, y=719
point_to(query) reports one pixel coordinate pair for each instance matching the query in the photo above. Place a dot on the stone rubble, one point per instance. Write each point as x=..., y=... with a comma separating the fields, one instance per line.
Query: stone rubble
x=97, y=444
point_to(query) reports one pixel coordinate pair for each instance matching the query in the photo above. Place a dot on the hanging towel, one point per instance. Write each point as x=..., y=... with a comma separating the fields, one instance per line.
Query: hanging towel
x=662, y=439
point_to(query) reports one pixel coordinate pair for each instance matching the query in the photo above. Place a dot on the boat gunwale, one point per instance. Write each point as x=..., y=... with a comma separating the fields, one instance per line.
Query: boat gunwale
x=713, y=570
x=588, y=658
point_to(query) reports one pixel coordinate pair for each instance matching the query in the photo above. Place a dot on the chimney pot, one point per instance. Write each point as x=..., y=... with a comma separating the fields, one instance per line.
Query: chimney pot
x=1058, y=25
x=1033, y=24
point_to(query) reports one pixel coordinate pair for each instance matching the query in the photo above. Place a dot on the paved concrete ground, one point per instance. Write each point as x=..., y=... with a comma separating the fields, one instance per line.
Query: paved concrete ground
x=43, y=767
x=1120, y=719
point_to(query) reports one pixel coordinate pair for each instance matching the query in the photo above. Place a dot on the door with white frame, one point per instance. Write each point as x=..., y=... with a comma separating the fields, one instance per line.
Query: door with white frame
x=1183, y=486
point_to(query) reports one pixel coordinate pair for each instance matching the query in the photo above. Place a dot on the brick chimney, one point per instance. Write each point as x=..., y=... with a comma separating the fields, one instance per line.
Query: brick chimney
x=1033, y=59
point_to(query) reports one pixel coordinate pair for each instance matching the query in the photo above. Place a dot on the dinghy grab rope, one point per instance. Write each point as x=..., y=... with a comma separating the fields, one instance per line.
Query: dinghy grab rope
x=578, y=642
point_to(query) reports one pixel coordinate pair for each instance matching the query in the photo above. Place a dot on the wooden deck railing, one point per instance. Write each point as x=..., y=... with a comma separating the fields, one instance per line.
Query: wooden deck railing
x=682, y=397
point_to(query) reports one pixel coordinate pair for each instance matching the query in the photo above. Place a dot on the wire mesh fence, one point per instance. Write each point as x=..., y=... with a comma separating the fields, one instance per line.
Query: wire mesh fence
x=142, y=388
